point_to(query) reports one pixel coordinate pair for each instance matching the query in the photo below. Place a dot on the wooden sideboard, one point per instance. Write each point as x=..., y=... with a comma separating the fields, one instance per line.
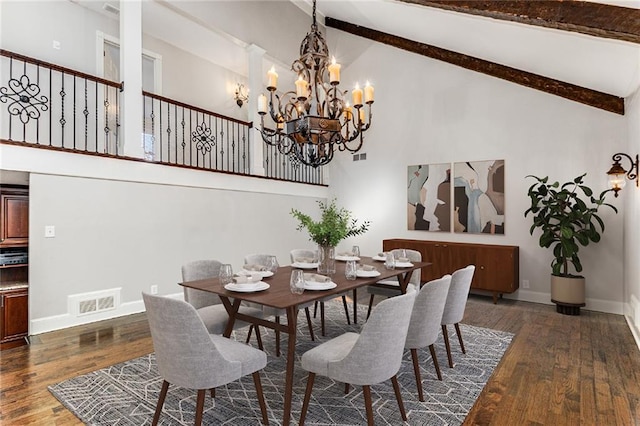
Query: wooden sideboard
x=497, y=266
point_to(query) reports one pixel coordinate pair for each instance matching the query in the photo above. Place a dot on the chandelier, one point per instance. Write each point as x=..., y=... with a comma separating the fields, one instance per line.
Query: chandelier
x=314, y=120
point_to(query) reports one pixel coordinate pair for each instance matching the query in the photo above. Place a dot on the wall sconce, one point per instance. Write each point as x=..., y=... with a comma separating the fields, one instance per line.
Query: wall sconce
x=242, y=95
x=617, y=173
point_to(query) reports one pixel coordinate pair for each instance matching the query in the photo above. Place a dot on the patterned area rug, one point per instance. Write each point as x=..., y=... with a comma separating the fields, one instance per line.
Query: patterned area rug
x=127, y=393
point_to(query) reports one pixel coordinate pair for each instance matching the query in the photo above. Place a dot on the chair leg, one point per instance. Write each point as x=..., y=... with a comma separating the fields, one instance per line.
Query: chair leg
x=309, y=324
x=435, y=361
x=200, y=406
x=346, y=309
x=249, y=334
x=416, y=371
x=213, y=393
x=259, y=338
x=347, y=388
x=396, y=389
x=445, y=334
x=163, y=394
x=368, y=404
x=322, y=318
x=355, y=305
x=307, y=397
x=315, y=309
x=457, y=326
x=277, y=338
x=263, y=406
x=370, y=306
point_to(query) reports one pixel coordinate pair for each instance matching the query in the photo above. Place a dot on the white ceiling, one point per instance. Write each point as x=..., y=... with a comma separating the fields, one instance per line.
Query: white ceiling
x=601, y=64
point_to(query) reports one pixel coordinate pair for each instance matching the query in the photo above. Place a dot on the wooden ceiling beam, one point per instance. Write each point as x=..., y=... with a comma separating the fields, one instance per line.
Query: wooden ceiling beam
x=569, y=91
x=594, y=19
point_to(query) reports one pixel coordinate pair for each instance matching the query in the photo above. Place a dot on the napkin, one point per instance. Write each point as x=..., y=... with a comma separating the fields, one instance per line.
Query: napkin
x=403, y=259
x=254, y=267
x=246, y=279
x=305, y=260
x=366, y=268
x=346, y=253
x=382, y=254
x=316, y=278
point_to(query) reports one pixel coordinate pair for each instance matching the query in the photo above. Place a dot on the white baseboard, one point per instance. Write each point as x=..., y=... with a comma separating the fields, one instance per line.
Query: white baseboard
x=599, y=305
x=58, y=322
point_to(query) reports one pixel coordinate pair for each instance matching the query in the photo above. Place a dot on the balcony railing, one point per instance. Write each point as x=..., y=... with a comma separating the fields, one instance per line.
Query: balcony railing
x=49, y=106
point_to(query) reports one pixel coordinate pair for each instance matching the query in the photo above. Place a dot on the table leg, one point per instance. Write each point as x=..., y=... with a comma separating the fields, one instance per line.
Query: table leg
x=355, y=305
x=403, y=280
x=292, y=319
x=232, y=310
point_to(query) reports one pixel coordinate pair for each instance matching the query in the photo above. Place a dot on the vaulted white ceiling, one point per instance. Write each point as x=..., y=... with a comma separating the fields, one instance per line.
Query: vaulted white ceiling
x=602, y=64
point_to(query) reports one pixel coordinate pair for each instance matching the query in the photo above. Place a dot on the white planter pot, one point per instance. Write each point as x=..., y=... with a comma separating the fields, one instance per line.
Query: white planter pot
x=568, y=293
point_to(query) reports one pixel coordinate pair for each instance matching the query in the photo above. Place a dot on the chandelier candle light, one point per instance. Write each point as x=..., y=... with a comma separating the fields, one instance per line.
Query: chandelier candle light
x=313, y=121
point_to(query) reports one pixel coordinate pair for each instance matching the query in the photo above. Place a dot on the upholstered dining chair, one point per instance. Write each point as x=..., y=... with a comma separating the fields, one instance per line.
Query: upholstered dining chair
x=264, y=260
x=190, y=357
x=424, y=326
x=456, y=303
x=306, y=253
x=368, y=358
x=391, y=287
x=208, y=305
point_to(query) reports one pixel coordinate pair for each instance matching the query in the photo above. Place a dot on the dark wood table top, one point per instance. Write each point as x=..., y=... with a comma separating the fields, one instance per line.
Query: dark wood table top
x=279, y=296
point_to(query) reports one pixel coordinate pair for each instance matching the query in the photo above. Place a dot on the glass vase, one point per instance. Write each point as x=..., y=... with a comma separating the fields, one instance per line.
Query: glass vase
x=326, y=260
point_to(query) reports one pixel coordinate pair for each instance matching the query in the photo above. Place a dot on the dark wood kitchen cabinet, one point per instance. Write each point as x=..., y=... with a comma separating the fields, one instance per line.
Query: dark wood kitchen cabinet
x=14, y=216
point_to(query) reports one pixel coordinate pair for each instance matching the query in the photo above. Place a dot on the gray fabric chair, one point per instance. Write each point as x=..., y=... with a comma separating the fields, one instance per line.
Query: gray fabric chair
x=264, y=259
x=425, y=324
x=391, y=287
x=368, y=358
x=298, y=253
x=190, y=357
x=454, y=308
x=208, y=305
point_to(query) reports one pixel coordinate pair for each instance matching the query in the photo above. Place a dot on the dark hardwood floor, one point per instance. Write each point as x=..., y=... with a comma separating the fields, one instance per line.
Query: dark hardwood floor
x=559, y=370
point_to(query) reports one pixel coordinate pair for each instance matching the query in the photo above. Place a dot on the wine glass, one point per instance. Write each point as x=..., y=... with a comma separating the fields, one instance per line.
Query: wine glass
x=355, y=250
x=296, y=283
x=272, y=264
x=350, y=270
x=226, y=274
x=390, y=261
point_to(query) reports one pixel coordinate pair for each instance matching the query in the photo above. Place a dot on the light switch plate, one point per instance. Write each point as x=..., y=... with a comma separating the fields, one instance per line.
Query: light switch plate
x=49, y=231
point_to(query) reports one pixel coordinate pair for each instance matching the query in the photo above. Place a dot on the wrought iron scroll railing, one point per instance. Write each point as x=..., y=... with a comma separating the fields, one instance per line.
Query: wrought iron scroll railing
x=185, y=135
x=287, y=167
x=48, y=105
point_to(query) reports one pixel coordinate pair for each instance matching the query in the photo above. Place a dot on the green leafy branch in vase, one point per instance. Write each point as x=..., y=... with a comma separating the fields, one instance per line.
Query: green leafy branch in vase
x=335, y=224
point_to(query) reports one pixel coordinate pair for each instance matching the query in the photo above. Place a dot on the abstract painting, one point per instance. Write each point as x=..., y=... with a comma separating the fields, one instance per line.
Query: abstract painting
x=429, y=197
x=478, y=197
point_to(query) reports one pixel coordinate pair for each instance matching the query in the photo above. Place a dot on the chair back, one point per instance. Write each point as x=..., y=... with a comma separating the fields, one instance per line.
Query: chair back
x=426, y=317
x=200, y=270
x=377, y=354
x=414, y=256
x=185, y=353
x=297, y=253
x=258, y=259
x=458, y=294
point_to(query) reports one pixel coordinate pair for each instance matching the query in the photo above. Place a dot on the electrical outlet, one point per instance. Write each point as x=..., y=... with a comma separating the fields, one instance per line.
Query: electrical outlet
x=525, y=283
x=154, y=289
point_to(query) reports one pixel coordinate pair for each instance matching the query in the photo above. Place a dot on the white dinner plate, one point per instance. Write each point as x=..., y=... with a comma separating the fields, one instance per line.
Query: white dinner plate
x=404, y=264
x=313, y=285
x=245, y=288
x=367, y=274
x=263, y=274
x=346, y=258
x=379, y=258
x=303, y=265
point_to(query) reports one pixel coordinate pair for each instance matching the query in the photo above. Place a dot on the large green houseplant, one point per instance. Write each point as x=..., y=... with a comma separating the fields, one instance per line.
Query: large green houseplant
x=335, y=225
x=567, y=215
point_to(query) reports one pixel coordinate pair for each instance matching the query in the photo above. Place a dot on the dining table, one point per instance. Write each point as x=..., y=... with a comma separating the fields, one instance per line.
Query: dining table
x=278, y=295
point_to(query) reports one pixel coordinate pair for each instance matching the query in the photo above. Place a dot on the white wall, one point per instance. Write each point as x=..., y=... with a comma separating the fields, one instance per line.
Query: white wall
x=431, y=112
x=631, y=196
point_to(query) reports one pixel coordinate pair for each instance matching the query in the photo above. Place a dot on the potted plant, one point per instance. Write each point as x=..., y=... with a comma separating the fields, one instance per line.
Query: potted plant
x=335, y=224
x=567, y=222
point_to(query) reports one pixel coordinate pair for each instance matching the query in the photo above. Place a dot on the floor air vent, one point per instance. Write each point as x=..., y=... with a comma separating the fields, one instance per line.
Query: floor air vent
x=94, y=302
